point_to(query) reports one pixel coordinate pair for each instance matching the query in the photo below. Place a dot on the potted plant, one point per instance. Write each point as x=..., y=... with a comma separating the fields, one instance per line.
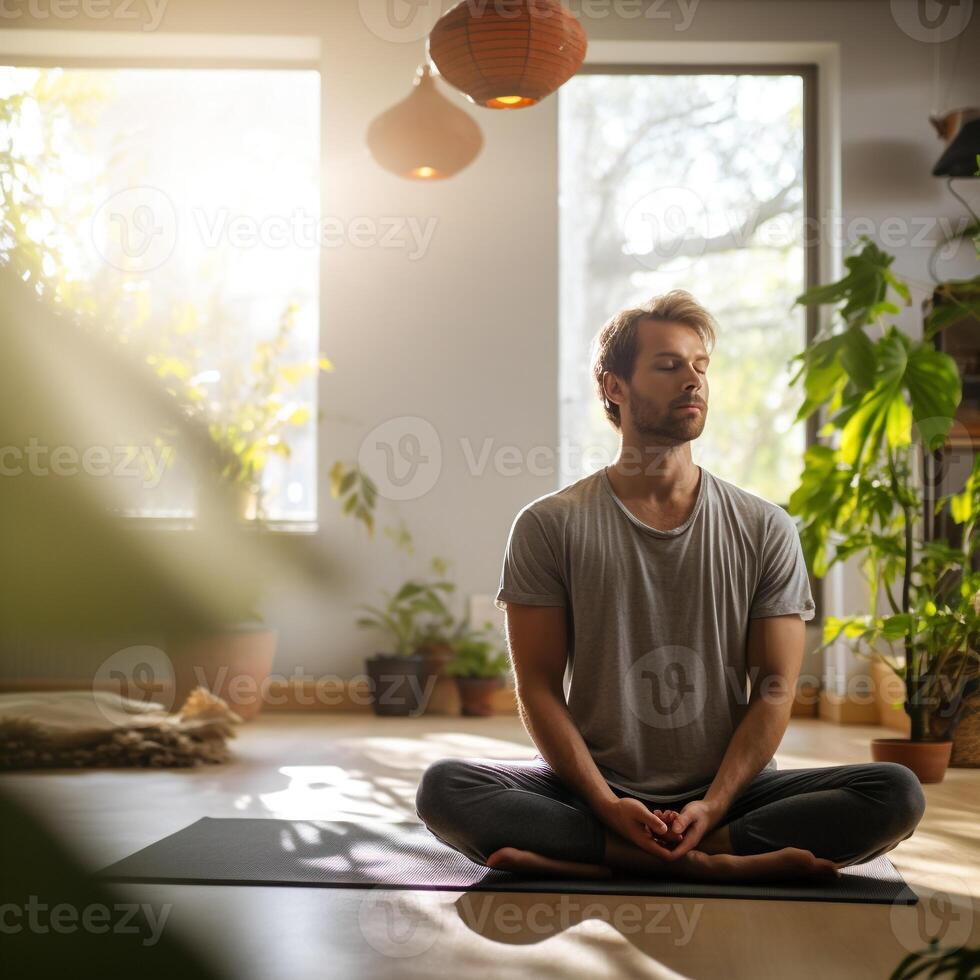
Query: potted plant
x=358, y=495
x=479, y=664
x=403, y=676
x=859, y=496
x=252, y=411
x=232, y=653
x=248, y=411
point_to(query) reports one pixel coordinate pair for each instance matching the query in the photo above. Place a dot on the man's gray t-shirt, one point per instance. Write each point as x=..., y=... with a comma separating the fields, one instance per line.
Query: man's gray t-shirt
x=657, y=620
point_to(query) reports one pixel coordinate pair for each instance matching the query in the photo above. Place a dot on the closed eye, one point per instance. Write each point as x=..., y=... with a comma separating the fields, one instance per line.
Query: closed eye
x=671, y=368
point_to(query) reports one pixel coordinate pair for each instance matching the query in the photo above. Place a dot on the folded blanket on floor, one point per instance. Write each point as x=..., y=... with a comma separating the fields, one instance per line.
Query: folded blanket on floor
x=100, y=728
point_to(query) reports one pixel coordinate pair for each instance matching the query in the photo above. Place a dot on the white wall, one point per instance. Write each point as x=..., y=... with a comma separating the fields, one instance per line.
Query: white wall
x=467, y=337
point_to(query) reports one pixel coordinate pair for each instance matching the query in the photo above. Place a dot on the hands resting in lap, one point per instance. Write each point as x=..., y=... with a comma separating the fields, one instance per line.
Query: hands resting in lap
x=667, y=833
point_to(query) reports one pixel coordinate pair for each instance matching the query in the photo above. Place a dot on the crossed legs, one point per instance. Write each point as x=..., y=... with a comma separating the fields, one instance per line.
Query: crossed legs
x=520, y=816
x=712, y=859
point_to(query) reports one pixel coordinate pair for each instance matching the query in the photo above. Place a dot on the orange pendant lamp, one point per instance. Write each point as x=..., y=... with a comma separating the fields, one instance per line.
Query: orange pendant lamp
x=507, y=54
x=424, y=137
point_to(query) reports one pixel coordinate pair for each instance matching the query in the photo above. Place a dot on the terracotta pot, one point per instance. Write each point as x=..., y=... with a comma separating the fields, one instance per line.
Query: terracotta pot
x=436, y=655
x=928, y=760
x=400, y=685
x=246, y=504
x=476, y=694
x=444, y=699
x=889, y=694
x=234, y=664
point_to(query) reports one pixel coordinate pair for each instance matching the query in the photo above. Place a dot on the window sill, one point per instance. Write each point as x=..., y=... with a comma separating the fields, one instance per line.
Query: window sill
x=171, y=524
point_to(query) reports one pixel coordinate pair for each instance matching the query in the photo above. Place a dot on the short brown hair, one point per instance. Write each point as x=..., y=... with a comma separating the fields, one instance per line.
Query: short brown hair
x=616, y=345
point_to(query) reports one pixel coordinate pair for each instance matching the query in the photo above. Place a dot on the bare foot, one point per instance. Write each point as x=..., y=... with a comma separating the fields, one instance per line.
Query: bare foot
x=783, y=865
x=514, y=859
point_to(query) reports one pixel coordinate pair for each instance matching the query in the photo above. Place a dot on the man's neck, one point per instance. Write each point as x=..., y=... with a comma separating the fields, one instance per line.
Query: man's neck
x=660, y=478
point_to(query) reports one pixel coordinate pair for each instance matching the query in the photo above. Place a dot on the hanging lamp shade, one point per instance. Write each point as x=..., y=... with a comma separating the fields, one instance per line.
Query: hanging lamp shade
x=960, y=129
x=424, y=137
x=507, y=54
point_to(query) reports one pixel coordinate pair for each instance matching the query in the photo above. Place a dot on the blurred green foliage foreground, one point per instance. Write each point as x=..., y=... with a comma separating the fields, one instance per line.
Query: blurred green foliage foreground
x=71, y=566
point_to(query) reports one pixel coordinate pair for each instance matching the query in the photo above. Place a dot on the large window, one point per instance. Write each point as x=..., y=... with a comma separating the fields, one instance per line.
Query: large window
x=691, y=180
x=179, y=207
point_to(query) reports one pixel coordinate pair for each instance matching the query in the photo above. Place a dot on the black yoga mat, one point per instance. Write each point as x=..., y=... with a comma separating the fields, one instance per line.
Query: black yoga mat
x=372, y=854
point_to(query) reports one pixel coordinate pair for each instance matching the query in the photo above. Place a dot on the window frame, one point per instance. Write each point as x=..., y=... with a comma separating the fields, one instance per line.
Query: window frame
x=809, y=73
x=90, y=50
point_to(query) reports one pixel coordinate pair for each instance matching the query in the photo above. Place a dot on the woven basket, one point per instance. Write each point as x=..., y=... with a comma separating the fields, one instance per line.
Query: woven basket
x=966, y=739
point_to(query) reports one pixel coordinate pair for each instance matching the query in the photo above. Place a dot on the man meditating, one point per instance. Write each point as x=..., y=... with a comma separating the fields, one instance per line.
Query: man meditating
x=662, y=591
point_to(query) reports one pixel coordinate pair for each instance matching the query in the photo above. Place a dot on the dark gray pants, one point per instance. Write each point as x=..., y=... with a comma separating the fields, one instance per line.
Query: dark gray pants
x=849, y=814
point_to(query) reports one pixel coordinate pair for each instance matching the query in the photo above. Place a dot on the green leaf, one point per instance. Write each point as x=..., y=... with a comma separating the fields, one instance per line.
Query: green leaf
x=347, y=482
x=933, y=382
x=863, y=291
x=857, y=354
x=897, y=626
x=336, y=476
x=929, y=379
x=824, y=374
x=408, y=590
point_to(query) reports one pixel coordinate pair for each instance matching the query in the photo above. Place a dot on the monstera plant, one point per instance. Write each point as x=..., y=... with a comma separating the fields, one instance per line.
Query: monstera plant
x=887, y=398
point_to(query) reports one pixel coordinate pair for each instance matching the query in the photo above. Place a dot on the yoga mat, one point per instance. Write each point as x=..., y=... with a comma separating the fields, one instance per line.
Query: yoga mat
x=373, y=854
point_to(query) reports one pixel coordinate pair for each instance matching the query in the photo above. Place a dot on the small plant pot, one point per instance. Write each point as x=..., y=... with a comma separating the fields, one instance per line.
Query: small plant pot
x=437, y=655
x=246, y=504
x=928, y=760
x=476, y=694
x=400, y=685
x=889, y=691
x=445, y=696
x=234, y=663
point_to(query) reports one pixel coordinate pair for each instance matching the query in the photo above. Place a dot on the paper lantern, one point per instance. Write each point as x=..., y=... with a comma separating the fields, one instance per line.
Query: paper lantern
x=424, y=137
x=961, y=131
x=507, y=54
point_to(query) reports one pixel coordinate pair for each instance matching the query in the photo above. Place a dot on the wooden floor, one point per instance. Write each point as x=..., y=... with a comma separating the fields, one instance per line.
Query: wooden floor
x=355, y=766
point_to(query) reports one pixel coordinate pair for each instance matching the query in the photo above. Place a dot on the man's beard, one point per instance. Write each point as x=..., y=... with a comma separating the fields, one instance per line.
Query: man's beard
x=647, y=422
